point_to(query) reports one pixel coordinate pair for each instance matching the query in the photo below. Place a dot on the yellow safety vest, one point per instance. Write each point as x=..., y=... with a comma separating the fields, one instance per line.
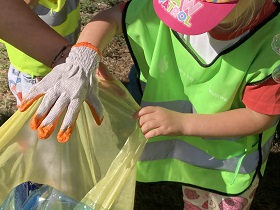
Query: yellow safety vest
x=63, y=17
x=176, y=79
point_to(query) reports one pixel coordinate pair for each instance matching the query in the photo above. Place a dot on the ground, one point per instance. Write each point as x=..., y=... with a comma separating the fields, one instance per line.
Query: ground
x=158, y=196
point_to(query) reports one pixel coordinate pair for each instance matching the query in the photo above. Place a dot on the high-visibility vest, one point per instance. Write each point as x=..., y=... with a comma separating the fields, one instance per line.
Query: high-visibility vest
x=178, y=79
x=63, y=17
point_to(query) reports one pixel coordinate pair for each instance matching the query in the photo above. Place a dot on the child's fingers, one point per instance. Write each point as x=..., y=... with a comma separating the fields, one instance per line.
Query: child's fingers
x=103, y=72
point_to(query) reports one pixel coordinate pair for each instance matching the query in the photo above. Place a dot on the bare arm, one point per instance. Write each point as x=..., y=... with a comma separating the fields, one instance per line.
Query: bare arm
x=102, y=28
x=238, y=122
x=155, y=121
x=21, y=27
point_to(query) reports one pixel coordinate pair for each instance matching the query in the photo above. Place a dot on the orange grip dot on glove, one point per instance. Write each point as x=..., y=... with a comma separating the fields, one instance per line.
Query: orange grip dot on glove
x=97, y=119
x=25, y=104
x=43, y=131
x=63, y=136
x=36, y=121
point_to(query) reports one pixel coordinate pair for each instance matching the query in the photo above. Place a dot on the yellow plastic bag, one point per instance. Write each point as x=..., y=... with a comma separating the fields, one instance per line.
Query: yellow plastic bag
x=96, y=166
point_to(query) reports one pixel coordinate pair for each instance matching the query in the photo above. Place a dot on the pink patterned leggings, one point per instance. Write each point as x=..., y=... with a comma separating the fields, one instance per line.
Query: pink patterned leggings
x=197, y=199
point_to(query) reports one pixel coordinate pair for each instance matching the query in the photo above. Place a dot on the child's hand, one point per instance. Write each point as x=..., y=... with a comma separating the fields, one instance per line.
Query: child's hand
x=158, y=121
x=106, y=78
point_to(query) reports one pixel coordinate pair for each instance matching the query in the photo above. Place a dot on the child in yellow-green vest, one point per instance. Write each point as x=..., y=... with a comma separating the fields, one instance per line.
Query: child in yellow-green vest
x=210, y=105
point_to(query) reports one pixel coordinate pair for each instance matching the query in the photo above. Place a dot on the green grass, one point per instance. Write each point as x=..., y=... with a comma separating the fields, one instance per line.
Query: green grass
x=7, y=101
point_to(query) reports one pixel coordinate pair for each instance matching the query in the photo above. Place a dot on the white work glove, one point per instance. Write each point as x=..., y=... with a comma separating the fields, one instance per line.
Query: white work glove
x=65, y=88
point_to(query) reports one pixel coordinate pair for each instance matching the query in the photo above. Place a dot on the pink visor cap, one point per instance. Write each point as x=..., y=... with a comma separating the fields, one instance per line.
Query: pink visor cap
x=193, y=17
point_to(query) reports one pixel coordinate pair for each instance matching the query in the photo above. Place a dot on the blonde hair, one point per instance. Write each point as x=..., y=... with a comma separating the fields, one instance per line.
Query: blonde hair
x=243, y=13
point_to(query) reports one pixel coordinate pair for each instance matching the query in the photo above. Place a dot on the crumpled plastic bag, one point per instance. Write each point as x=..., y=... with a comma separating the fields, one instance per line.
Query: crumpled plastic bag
x=94, y=169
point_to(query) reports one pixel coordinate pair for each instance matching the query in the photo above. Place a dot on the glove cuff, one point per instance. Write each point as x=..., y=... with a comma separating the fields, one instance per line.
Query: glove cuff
x=89, y=45
x=84, y=55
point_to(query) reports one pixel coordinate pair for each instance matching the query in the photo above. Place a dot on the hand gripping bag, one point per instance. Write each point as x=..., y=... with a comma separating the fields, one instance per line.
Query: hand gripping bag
x=94, y=169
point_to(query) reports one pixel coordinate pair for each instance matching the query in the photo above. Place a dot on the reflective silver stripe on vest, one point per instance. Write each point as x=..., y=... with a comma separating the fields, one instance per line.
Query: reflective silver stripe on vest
x=53, y=18
x=178, y=106
x=178, y=149
x=72, y=38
